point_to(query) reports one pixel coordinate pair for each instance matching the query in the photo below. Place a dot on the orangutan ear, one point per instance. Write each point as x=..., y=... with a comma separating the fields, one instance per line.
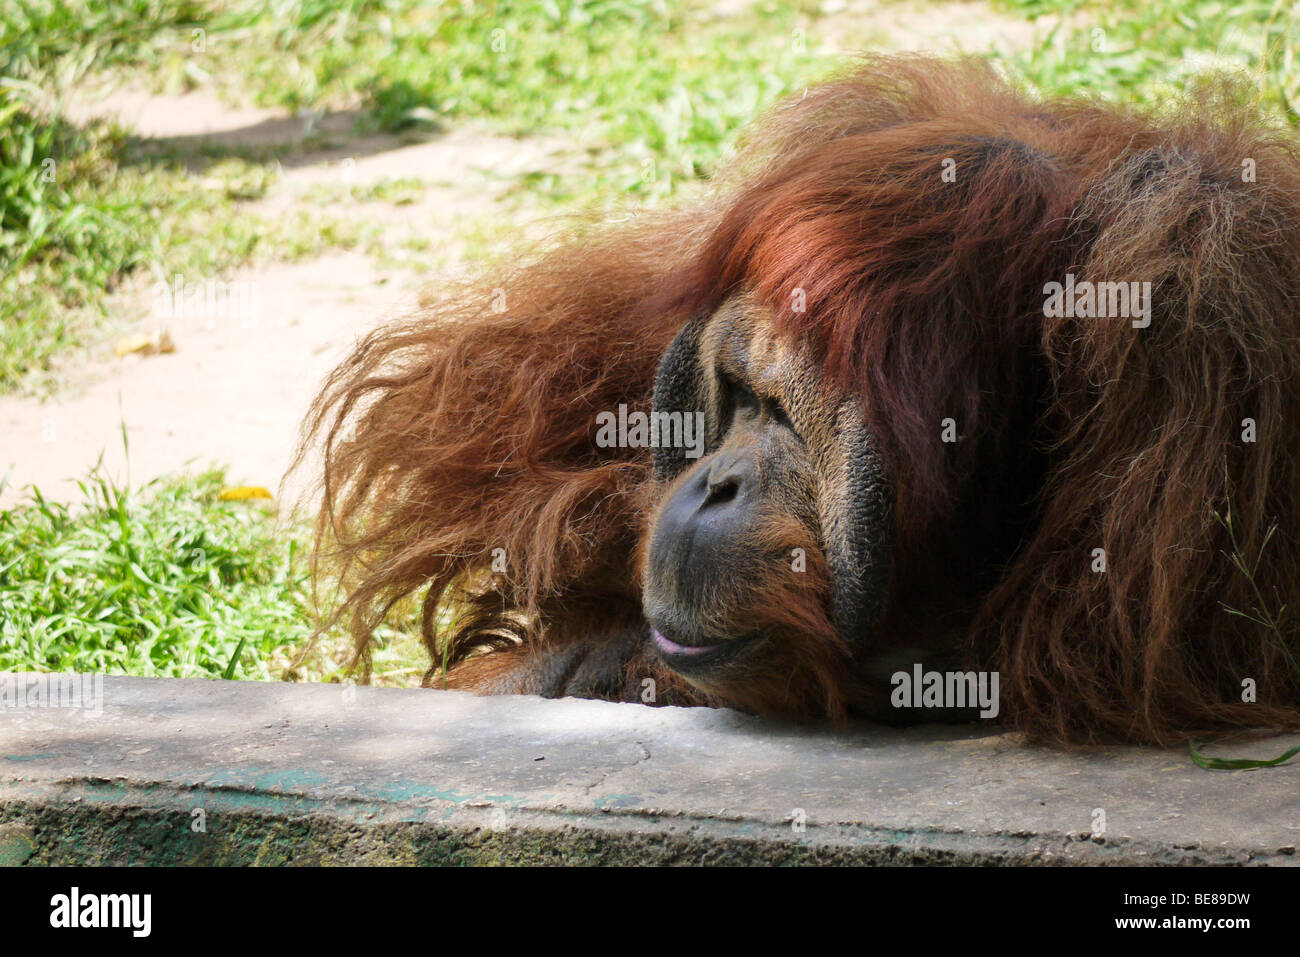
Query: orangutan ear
x=681, y=386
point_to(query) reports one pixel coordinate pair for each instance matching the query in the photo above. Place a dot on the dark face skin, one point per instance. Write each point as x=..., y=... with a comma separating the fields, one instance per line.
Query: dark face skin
x=771, y=548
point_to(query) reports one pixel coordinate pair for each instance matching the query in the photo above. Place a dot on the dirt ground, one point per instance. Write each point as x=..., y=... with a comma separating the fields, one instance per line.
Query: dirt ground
x=235, y=389
x=245, y=368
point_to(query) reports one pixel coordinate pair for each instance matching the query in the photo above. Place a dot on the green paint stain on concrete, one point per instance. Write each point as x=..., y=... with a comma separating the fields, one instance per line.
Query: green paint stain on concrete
x=617, y=801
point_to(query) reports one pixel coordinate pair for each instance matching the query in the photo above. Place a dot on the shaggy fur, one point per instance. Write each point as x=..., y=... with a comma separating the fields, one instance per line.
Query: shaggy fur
x=470, y=428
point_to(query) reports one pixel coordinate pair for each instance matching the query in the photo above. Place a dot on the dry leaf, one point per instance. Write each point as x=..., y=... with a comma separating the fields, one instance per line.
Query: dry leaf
x=143, y=344
x=136, y=343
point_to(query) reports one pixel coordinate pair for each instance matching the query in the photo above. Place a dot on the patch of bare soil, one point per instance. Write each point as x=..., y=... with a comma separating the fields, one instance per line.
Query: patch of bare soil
x=250, y=353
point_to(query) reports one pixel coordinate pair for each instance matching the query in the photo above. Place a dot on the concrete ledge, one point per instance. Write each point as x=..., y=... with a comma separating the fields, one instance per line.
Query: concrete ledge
x=214, y=772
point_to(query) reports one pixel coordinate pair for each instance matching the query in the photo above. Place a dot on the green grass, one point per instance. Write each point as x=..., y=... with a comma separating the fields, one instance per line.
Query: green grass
x=659, y=89
x=1149, y=51
x=166, y=580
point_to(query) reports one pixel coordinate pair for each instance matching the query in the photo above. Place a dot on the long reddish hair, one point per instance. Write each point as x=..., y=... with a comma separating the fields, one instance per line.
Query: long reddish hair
x=469, y=428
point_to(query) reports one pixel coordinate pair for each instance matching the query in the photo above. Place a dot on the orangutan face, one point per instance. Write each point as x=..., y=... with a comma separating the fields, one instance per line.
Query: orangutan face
x=767, y=556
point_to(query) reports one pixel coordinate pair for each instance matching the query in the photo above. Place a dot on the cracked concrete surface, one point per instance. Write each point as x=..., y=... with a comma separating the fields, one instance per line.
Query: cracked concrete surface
x=325, y=773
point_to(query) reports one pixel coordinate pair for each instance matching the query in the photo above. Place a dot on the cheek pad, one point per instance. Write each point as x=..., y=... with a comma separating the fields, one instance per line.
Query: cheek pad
x=856, y=507
x=680, y=387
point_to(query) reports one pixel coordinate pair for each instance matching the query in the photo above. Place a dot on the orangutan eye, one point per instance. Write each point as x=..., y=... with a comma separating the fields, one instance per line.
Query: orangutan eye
x=776, y=411
x=743, y=398
x=744, y=401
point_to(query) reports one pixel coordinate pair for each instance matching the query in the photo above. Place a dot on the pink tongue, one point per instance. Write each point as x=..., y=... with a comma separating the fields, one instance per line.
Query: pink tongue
x=672, y=648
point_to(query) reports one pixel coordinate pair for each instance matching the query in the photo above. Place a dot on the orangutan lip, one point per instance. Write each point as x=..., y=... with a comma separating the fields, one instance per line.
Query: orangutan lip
x=667, y=646
x=689, y=659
